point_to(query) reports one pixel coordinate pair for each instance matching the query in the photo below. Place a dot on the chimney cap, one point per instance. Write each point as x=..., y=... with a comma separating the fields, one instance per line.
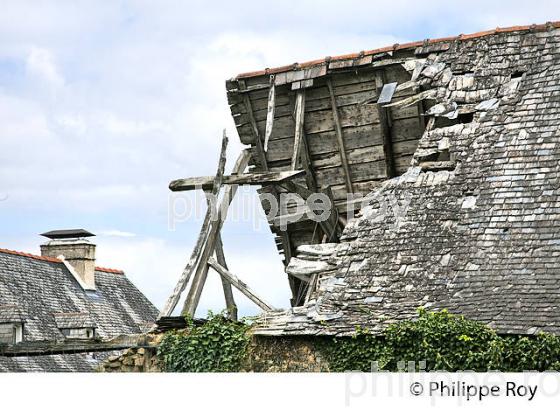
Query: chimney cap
x=67, y=234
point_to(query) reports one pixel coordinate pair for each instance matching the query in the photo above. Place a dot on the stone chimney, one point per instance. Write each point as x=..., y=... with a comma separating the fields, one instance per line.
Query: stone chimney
x=76, y=251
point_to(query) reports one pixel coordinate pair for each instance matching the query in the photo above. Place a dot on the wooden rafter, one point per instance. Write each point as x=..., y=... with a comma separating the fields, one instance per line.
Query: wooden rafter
x=298, y=135
x=270, y=113
x=385, y=122
x=240, y=285
x=340, y=140
x=261, y=154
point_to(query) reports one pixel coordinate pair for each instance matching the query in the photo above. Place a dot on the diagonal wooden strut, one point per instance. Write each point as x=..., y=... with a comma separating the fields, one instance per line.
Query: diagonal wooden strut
x=240, y=285
x=193, y=262
x=202, y=237
x=226, y=286
x=199, y=278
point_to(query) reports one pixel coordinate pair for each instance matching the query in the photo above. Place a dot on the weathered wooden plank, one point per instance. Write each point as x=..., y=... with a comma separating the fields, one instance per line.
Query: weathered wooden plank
x=284, y=105
x=204, y=232
x=405, y=147
x=256, y=178
x=226, y=286
x=385, y=121
x=305, y=157
x=340, y=139
x=354, y=156
x=44, y=347
x=332, y=159
x=346, y=84
x=298, y=134
x=270, y=113
x=326, y=143
x=360, y=172
x=406, y=130
x=260, y=157
x=340, y=194
x=402, y=163
x=316, y=121
x=240, y=285
x=398, y=113
x=208, y=247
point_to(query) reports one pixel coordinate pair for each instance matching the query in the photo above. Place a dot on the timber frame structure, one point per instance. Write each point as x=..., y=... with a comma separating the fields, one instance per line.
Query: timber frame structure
x=391, y=122
x=351, y=123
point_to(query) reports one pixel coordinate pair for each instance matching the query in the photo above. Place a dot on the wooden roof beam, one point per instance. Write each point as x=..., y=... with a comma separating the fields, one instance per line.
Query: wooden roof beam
x=340, y=140
x=261, y=154
x=298, y=135
x=386, y=123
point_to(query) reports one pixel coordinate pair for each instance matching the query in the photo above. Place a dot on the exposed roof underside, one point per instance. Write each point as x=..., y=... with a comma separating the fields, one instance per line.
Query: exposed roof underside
x=472, y=225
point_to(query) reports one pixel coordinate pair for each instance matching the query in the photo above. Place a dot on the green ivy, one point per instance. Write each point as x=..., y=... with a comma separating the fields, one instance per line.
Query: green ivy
x=435, y=341
x=445, y=342
x=219, y=345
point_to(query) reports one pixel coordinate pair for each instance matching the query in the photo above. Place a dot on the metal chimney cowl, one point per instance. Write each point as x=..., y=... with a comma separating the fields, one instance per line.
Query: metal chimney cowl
x=77, y=251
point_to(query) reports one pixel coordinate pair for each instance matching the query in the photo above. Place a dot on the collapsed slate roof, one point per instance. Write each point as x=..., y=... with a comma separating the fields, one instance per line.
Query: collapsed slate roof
x=43, y=294
x=473, y=224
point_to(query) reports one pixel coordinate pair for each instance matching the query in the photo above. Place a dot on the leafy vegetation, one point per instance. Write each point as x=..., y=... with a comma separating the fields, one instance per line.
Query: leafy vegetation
x=435, y=341
x=445, y=342
x=219, y=345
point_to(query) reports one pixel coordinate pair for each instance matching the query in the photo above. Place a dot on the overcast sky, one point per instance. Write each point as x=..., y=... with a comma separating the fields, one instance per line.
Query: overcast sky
x=102, y=103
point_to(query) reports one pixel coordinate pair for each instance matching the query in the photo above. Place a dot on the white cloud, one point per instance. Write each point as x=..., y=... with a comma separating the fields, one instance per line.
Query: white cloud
x=116, y=232
x=40, y=62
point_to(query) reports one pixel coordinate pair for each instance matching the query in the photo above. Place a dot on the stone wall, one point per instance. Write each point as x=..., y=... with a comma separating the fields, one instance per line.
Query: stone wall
x=285, y=354
x=266, y=354
x=139, y=359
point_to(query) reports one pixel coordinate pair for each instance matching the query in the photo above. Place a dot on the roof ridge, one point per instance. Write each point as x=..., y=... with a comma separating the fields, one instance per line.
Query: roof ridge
x=395, y=47
x=109, y=270
x=54, y=260
x=30, y=255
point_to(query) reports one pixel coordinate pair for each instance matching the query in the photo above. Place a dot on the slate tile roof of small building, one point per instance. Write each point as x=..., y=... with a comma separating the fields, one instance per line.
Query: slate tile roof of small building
x=45, y=296
x=44, y=291
x=68, y=362
x=481, y=238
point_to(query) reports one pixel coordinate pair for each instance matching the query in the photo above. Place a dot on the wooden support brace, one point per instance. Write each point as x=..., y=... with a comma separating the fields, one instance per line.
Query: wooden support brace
x=202, y=237
x=340, y=140
x=199, y=278
x=228, y=293
x=255, y=178
x=240, y=285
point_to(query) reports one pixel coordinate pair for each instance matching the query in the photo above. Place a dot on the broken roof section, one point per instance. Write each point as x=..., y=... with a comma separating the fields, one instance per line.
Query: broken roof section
x=462, y=174
x=367, y=57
